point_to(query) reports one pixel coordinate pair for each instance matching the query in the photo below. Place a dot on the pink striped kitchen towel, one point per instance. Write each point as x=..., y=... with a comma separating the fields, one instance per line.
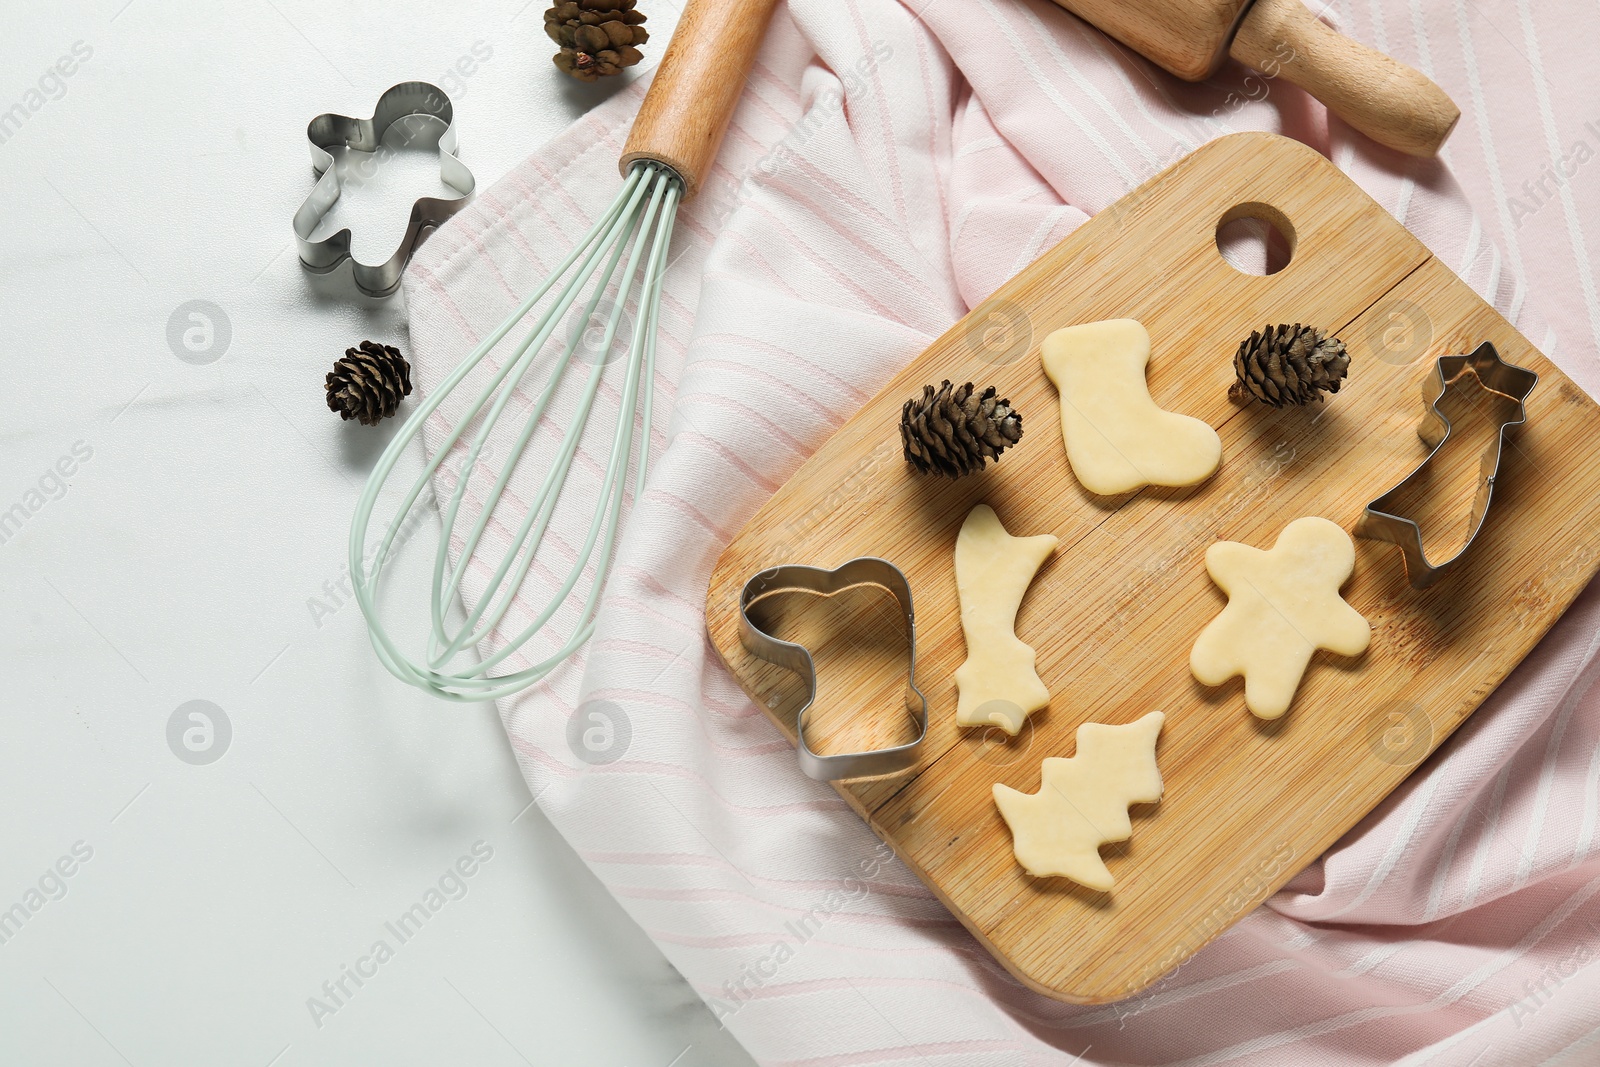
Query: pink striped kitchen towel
x=889, y=167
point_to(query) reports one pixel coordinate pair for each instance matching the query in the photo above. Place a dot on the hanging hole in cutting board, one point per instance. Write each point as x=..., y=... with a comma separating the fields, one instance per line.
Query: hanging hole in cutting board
x=1256, y=239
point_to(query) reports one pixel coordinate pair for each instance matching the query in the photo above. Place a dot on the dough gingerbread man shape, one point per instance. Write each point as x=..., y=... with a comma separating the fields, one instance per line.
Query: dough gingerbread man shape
x=1283, y=605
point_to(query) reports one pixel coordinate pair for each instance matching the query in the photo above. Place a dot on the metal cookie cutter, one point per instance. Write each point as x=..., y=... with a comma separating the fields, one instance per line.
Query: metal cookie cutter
x=864, y=570
x=428, y=118
x=1506, y=388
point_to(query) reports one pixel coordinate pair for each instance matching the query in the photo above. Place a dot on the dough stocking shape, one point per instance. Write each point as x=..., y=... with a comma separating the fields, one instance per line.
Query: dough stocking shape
x=998, y=684
x=1082, y=802
x=1117, y=438
x=1283, y=605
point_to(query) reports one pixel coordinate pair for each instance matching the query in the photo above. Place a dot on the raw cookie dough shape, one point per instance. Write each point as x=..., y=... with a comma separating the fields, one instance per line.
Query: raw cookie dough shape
x=1283, y=605
x=1082, y=802
x=998, y=684
x=1117, y=438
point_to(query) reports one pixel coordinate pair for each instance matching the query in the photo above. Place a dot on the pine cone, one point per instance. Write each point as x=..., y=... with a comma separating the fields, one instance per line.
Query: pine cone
x=597, y=37
x=1288, y=365
x=368, y=382
x=955, y=431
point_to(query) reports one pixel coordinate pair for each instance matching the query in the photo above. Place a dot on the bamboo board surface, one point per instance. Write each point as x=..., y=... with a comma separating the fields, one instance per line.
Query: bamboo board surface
x=1114, y=613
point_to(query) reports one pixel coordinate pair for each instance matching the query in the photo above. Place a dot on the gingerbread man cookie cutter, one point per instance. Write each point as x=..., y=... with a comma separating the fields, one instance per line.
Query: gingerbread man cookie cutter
x=426, y=115
x=754, y=634
x=1506, y=389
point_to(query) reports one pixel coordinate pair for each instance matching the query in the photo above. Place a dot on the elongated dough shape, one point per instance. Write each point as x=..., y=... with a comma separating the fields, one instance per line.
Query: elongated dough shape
x=1117, y=438
x=998, y=684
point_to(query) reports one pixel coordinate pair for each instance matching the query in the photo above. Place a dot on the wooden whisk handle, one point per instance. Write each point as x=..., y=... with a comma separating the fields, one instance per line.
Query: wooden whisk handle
x=697, y=86
x=1384, y=99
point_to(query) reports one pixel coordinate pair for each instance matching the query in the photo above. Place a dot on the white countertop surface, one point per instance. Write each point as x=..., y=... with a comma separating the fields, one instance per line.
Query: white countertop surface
x=172, y=529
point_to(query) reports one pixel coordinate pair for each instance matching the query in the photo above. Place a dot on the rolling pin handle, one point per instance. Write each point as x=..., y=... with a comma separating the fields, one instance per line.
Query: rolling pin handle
x=1384, y=99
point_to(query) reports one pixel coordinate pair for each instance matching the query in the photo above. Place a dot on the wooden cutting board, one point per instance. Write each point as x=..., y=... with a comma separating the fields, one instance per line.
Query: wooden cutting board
x=1114, y=613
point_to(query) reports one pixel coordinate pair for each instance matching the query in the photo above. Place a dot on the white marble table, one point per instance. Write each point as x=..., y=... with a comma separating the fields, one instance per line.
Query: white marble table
x=174, y=501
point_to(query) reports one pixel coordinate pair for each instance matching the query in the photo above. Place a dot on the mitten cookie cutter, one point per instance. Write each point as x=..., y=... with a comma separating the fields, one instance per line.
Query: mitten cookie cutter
x=863, y=570
x=404, y=101
x=1506, y=388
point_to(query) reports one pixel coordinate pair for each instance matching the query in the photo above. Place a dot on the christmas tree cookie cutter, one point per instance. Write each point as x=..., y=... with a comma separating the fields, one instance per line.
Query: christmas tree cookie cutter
x=755, y=635
x=427, y=117
x=1505, y=388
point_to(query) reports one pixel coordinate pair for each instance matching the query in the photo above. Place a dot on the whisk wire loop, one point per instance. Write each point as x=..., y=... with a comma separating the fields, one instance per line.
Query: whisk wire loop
x=638, y=225
x=543, y=505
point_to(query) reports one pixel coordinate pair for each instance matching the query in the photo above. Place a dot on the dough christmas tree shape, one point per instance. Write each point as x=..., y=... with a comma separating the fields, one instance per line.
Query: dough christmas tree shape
x=1117, y=438
x=1082, y=802
x=998, y=684
x=1283, y=605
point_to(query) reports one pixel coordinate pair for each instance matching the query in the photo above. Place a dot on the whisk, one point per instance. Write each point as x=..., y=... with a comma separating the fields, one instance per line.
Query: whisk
x=672, y=144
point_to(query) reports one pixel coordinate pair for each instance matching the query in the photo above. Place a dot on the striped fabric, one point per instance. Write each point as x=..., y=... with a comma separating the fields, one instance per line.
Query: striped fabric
x=886, y=170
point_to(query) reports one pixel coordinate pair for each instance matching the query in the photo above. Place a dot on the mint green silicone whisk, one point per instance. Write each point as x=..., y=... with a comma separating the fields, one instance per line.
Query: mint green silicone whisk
x=639, y=224
x=673, y=142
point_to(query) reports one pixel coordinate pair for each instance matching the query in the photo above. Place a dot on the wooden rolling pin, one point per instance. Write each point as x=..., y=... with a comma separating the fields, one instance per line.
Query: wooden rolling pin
x=1386, y=100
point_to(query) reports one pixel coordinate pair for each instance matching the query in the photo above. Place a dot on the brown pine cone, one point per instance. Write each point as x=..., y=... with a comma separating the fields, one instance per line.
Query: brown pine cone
x=1288, y=365
x=368, y=382
x=955, y=431
x=597, y=37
